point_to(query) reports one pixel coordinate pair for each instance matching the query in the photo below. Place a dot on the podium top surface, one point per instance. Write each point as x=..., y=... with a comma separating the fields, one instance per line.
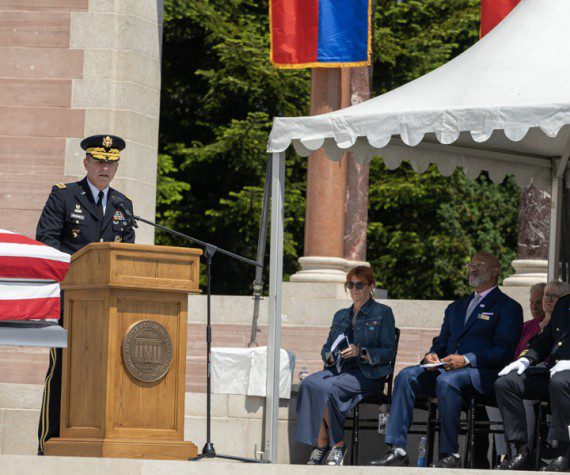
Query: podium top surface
x=134, y=267
x=123, y=246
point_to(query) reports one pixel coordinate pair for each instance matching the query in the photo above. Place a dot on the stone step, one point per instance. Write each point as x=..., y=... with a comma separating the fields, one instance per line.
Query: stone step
x=93, y=466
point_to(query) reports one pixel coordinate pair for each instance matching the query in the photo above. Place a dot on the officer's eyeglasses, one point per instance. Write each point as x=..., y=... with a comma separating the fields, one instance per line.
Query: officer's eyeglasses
x=355, y=285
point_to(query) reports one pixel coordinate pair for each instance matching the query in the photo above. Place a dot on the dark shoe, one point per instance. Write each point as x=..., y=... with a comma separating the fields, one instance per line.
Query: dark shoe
x=391, y=459
x=503, y=465
x=318, y=456
x=451, y=461
x=336, y=455
x=559, y=464
x=518, y=462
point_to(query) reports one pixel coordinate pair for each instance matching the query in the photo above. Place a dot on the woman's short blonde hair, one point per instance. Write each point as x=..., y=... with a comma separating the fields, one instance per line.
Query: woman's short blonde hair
x=363, y=273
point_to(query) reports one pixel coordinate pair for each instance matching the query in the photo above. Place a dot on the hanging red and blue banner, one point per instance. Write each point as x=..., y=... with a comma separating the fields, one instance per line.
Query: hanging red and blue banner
x=320, y=33
x=493, y=12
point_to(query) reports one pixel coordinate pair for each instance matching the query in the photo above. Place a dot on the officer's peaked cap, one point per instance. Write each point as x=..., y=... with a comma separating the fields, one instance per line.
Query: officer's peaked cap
x=103, y=147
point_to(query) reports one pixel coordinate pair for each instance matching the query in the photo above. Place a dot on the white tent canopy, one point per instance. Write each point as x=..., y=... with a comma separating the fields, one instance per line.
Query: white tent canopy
x=503, y=106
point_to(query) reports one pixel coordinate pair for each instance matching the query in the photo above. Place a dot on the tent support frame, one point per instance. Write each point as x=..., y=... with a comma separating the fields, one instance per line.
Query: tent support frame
x=558, y=169
x=274, y=314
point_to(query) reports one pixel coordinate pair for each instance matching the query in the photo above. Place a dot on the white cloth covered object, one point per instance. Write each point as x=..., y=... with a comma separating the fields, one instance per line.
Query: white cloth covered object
x=244, y=371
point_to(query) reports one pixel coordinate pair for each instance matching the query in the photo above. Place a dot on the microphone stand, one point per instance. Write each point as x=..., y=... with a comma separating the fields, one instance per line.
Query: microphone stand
x=209, y=250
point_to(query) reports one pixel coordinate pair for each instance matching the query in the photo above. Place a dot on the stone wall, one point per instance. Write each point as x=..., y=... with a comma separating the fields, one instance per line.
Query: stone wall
x=71, y=68
x=37, y=69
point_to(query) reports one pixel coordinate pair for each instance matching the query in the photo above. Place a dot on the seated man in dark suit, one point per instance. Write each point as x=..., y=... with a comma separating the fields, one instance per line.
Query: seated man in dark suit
x=541, y=372
x=478, y=337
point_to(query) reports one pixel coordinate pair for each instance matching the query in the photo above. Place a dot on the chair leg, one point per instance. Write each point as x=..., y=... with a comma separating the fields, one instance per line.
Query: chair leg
x=538, y=436
x=354, y=442
x=430, y=432
x=471, y=433
x=470, y=445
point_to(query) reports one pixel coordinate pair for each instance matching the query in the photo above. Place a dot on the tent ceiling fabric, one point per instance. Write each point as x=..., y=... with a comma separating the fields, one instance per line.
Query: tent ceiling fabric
x=504, y=104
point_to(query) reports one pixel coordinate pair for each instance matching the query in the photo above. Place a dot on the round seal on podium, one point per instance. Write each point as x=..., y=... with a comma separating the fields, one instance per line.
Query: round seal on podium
x=147, y=351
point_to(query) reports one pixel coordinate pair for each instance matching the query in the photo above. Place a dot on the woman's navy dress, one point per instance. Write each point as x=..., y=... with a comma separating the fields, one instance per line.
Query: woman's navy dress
x=340, y=392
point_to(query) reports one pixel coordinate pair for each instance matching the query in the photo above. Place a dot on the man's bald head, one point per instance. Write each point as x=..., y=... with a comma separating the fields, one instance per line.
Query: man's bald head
x=484, y=271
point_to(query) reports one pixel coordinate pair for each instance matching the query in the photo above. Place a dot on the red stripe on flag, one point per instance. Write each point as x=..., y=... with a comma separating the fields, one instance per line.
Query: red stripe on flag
x=18, y=239
x=28, y=309
x=12, y=267
x=493, y=12
x=294, y=31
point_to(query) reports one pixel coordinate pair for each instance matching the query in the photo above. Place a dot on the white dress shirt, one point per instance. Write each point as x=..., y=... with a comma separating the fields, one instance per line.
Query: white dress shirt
x=95, y=193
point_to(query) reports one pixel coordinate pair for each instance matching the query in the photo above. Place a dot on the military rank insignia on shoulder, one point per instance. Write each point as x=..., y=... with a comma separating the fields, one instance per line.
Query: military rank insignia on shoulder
x=61, y=186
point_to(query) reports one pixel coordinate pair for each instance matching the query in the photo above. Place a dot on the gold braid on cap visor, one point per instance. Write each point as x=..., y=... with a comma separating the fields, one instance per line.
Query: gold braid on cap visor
x=101, y=153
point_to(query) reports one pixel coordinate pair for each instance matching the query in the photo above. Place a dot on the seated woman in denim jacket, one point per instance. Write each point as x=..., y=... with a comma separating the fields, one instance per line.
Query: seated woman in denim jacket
x=326, y=397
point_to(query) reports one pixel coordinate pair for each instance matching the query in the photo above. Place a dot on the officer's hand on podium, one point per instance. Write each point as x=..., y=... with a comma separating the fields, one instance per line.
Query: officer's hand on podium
x=519, y=366
x=562, y=365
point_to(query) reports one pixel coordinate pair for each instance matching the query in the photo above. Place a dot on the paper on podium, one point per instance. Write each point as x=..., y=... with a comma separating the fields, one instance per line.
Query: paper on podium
x=244, y=371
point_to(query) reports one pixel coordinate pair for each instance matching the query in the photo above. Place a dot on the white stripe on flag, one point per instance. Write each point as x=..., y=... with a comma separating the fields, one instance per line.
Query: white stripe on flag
x=5, y=231
x=29, y=250
x=22, y=291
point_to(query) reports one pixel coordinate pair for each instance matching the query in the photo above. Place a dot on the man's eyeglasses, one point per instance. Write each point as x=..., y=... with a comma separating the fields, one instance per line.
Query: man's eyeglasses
x=355, y=285
x=536, y=302
x=475, y=265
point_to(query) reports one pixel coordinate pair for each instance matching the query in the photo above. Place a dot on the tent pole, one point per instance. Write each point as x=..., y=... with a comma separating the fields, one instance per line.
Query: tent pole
x=274, y=323
x=555, y=217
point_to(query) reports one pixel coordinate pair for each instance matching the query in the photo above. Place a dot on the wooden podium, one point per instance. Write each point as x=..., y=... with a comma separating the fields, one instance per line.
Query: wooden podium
x=124, y=371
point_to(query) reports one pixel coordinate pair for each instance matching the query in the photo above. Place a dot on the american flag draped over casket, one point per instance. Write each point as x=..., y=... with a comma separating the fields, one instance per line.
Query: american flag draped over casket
x=30, y=276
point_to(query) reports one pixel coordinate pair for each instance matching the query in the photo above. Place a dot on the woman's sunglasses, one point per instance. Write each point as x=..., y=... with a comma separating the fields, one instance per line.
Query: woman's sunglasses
x=358, y=285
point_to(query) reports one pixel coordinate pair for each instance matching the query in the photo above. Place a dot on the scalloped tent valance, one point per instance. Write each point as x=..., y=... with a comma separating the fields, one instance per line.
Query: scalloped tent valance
x=503, y=106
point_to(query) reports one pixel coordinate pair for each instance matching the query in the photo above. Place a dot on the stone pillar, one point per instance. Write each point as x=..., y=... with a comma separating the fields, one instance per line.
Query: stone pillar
x=37, y=68
x=532, y=250
x=72, y=68
x=357, y=181
x=323, y=259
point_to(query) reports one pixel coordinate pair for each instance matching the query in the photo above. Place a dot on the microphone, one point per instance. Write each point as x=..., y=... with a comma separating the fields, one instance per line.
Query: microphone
x=118, y=204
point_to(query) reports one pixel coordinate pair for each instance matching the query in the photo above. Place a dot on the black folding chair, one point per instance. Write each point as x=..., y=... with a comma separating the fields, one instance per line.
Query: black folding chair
x=541, y=431
x=377, y=399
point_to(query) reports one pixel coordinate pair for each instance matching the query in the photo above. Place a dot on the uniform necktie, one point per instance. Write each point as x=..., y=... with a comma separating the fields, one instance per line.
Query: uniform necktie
x=474, y=301
x=100, y=204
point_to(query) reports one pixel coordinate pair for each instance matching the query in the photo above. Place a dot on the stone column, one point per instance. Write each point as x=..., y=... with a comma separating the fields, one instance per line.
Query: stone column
x=37, y=68
x=323, y=259
x=119, y=90
x=357, y=181
x=71, y=68
x=532, y=250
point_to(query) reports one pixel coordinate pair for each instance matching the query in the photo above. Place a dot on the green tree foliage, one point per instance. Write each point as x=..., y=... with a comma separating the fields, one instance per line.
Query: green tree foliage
x=218, y=98
x=424, y=227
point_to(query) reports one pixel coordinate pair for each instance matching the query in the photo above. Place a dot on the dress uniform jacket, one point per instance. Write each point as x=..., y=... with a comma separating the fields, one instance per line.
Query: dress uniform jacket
x=70, y=219
x=554, y=340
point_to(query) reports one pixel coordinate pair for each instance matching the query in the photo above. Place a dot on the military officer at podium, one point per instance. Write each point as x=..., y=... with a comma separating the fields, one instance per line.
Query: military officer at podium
x=77, y=214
